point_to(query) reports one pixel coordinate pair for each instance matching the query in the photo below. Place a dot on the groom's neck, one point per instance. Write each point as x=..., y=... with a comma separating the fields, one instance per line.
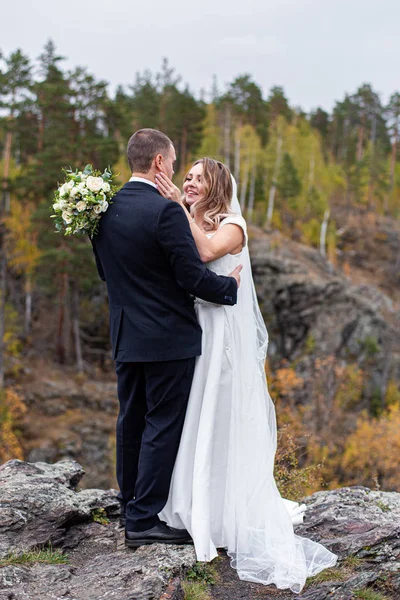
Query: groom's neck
x=149, y=176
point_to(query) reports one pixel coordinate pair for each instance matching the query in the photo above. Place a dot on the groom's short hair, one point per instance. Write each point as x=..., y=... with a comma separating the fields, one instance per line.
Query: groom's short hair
x=143, y=146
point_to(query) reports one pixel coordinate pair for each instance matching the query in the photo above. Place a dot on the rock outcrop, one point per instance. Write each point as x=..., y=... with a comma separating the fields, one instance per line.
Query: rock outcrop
x=301, y=295
x=72, y=419
x=40, y=504
x=363, y=528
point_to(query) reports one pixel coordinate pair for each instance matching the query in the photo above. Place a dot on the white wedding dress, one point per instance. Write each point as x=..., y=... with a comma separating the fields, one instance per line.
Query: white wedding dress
x=223, y=489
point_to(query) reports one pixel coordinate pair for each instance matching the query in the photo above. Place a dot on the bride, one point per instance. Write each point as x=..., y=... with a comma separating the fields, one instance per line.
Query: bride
x=223, y=489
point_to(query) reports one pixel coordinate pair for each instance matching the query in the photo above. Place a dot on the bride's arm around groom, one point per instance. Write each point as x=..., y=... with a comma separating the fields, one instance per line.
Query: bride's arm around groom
x=176, y=239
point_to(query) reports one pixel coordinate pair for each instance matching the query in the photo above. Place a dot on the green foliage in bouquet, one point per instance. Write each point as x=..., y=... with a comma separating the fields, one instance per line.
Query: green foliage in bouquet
x=81, y=200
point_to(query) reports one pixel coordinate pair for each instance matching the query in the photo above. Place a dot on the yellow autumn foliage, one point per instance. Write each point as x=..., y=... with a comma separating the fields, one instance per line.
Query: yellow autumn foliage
x=350, y=386
x=286, y=380
x=293, y=480
x=392, y=397
x=372, y=451
x=12, y=410
x=22, y=249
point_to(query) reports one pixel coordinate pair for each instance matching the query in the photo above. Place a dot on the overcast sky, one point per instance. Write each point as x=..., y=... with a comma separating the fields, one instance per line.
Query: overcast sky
x=316, y=49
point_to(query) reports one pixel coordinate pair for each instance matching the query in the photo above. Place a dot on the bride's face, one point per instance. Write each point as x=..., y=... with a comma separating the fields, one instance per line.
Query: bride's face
x=193, y=186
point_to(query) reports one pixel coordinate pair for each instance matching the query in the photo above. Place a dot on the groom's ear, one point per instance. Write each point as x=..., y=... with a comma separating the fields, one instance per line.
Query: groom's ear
x=158, y=160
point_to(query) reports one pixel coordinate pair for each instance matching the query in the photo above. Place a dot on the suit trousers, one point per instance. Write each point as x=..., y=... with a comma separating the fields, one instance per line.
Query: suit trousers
x=153, y=398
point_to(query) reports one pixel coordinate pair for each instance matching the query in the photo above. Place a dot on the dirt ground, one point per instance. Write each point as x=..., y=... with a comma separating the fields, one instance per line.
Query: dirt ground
x=229, y=587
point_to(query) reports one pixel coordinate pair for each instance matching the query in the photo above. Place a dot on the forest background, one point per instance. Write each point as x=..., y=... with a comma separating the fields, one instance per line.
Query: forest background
x=303, y=175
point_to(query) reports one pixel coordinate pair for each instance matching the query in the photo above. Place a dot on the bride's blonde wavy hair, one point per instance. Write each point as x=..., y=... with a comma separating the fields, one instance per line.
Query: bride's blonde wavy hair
x=218, y=187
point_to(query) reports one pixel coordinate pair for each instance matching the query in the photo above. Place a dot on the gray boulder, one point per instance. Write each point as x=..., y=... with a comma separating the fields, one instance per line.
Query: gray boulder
x=40, y=504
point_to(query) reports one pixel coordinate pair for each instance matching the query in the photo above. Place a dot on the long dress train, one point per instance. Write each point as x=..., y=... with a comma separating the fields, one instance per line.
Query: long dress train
x=223, y=489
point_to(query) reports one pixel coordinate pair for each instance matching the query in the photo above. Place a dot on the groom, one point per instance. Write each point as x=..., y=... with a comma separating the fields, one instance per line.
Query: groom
x=146, y=254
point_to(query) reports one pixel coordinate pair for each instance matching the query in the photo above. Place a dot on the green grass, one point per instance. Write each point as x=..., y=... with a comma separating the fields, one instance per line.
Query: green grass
x=99, y=515
x=44, y=555
x=202, y=572
x=341, y=572
x=350, y=562
x=194, y=590
x=384, y=507
x=334, y=574
x=197, y=579
x=367, y=594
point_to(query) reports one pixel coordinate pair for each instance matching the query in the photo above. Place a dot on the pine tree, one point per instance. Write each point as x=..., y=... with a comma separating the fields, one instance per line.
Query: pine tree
x=319, y=120
x=91, y=122
x=277, y=105
x=246, y=98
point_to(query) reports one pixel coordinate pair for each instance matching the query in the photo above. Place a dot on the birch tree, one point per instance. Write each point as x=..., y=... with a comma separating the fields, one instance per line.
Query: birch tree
x=15, y=83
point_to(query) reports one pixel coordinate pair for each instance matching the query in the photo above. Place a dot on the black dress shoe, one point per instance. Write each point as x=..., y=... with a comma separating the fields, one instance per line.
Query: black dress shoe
x=159, y=534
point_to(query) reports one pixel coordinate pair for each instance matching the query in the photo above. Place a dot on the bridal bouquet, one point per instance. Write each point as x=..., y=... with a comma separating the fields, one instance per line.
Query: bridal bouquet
x=81, y=200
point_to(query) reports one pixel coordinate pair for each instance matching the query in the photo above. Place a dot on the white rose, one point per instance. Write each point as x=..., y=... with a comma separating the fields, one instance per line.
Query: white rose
x=62, y=203
x=66, y=217
x=97, y=209
x=65, y=189
x=104, y=205
x=94, y=183
x=81, y=187
x=80, y=206
x=73, y=192
x=106, y=186
x=56, y=206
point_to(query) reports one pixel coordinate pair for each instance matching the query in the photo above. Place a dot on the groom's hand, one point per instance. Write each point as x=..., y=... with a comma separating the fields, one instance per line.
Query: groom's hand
x=236, y=274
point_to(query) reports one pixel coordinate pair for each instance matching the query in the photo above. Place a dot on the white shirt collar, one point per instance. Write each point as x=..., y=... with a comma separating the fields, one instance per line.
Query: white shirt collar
x=143, y=180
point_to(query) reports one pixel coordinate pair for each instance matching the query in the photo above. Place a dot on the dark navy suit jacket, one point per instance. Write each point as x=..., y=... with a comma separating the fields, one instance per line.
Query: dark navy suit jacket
x=146, y=254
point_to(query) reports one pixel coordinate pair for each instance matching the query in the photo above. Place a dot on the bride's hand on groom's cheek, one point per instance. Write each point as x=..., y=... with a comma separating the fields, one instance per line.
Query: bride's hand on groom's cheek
x=167, y=188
